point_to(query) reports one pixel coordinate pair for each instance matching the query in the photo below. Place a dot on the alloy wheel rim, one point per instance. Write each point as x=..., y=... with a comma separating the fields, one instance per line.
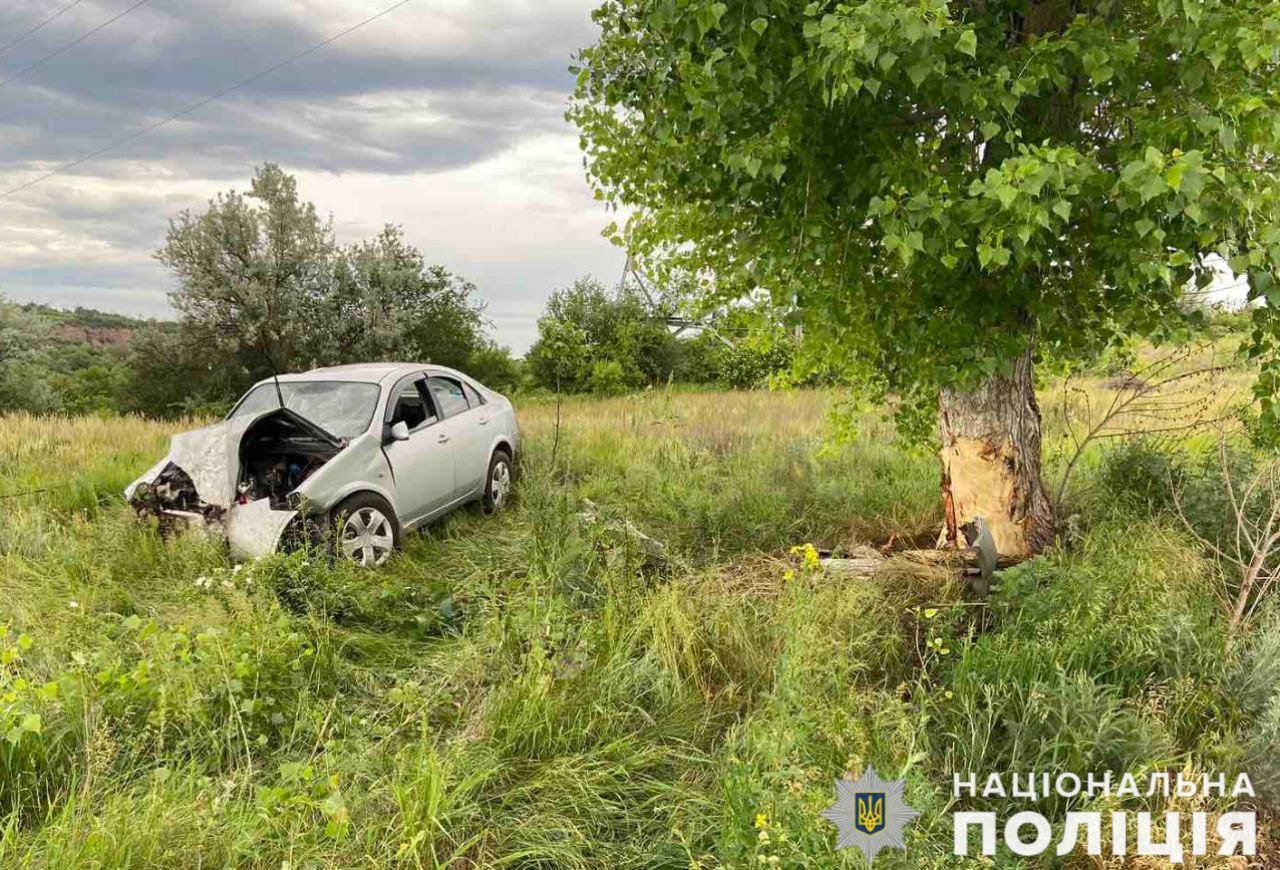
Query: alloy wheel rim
x=500, y=484
x=367, y=538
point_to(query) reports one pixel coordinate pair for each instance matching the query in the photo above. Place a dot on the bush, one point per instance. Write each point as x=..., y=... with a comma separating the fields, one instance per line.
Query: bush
x=607, y=378
x=1111, y=658
x=586, y=326
x=1140, y=473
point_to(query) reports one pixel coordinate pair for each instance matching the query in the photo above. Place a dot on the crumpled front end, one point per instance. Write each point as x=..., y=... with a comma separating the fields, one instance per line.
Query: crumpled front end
x=256, y=529
x=189, y=486
x=234, y=478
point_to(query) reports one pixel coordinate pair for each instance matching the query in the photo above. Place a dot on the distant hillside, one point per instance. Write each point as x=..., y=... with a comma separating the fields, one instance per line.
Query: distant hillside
x=98, y=329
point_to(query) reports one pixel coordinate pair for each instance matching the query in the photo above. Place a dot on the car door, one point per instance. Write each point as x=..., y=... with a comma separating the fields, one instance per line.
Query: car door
x=424, y=467
x=470, y=434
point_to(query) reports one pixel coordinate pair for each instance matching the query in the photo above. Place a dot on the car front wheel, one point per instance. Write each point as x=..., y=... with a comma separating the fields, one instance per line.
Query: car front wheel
x=366, y=531
x=498, y=485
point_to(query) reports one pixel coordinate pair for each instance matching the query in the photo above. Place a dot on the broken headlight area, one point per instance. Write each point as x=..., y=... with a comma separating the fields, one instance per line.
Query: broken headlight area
x=172, y=499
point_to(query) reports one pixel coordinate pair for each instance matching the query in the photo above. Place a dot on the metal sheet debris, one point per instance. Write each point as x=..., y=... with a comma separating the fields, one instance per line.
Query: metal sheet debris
x=254, y=529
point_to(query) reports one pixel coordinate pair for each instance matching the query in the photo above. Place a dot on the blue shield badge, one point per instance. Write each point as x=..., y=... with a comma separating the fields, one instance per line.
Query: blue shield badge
x=868, y=815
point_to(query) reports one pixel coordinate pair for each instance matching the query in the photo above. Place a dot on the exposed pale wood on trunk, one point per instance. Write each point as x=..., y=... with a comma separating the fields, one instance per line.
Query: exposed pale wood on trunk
x=991, y=462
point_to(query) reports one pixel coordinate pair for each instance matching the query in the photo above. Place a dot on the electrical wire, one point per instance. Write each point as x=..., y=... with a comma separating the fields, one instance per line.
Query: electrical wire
x=202, y=103
x=72, y=44
x=54, y=17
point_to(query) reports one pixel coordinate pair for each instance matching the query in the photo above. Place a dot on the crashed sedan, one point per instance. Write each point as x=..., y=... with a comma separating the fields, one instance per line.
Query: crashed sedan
x=358, y=454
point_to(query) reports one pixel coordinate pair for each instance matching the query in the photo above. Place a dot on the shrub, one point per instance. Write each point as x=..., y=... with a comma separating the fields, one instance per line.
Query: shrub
x=1112, y=658
x=592, y=340
x=1140, y=473
x=607, y=378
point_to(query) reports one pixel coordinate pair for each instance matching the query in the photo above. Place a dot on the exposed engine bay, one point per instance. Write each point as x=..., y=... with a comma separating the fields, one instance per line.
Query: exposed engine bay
x=277, y=454
x=211, y=474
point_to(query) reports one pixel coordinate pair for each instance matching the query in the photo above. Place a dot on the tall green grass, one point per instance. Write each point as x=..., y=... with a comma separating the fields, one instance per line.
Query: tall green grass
x=532, y=691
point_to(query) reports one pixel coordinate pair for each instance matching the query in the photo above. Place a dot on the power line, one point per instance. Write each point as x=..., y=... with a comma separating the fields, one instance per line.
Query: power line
x=70, y=45
x=1235, y=285
x=41, y=25
x=202, y=103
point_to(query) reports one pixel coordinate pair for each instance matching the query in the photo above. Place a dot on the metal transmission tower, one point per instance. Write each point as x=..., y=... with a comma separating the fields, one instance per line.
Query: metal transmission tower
x=633, y=277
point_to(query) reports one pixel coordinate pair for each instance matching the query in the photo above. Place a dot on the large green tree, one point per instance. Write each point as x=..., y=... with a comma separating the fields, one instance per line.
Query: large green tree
x=263, y=287
x=387, y=302
x=949, y=191
x=590, y=338
x=252, y=271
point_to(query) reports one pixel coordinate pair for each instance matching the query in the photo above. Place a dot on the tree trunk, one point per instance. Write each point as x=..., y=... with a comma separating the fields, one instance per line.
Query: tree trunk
x=991, y=463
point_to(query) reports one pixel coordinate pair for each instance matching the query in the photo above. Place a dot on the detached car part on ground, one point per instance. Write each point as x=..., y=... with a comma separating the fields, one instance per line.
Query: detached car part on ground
x=360, y=453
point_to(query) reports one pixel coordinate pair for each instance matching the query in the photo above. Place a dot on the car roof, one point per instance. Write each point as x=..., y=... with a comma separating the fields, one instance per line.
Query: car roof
x=371, y=373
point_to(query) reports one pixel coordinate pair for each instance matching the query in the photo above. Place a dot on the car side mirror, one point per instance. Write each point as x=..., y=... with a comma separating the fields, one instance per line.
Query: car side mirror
x=399, y=431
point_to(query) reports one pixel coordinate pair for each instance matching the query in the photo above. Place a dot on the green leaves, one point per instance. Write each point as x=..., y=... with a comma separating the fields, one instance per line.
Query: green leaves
x=1027, y=175
x=709, y=16
x=993, y=253
x=1097, y=65
x=31, y=723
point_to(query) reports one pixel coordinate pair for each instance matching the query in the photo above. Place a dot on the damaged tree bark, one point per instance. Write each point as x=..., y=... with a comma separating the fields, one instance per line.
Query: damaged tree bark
x=991, y=462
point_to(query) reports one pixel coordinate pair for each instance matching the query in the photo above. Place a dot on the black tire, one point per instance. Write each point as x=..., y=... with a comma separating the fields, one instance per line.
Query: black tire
x=359, y=525
x=498, y=482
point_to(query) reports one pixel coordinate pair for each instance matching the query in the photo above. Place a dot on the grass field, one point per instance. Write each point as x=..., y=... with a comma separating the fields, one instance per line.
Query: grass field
x=532, y=691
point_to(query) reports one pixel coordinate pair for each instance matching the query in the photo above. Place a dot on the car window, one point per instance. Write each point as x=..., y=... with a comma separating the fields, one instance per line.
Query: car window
x=449, y=396
x=411, y=407
x=473, y=397
x=342, y=408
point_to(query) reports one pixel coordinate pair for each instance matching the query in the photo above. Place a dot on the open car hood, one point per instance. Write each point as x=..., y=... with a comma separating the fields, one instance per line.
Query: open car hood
x=211, y=456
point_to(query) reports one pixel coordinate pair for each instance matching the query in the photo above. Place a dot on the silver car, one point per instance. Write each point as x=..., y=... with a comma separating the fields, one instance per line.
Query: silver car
x=361, y=452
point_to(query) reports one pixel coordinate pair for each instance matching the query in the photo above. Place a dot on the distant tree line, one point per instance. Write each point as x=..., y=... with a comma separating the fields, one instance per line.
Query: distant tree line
x=262, y=286
x=595, y=340
x=590, y=340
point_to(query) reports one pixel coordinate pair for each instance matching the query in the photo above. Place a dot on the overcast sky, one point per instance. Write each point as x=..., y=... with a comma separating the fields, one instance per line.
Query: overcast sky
x=444, y=116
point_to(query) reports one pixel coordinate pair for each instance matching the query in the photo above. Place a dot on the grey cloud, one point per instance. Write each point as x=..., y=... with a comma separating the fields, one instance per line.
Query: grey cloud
x=436, y=85
x=467, y=99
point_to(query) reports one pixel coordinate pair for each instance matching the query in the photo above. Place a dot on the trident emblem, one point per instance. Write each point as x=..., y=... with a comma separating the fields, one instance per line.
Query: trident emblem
x=870, y=812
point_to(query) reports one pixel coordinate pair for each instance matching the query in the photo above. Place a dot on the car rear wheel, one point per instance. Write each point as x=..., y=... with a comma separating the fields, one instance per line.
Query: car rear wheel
x=498, y=485
x=366, y=531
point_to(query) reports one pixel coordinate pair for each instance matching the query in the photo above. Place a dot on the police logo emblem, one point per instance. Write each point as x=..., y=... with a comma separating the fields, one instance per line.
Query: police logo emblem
x=870, y=814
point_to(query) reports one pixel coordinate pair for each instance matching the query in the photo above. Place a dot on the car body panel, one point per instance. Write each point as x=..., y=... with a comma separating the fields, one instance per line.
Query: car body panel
x=471, y=450
x=361, y=467
x=425, y=471
x=254, y=530
x=211, y=458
